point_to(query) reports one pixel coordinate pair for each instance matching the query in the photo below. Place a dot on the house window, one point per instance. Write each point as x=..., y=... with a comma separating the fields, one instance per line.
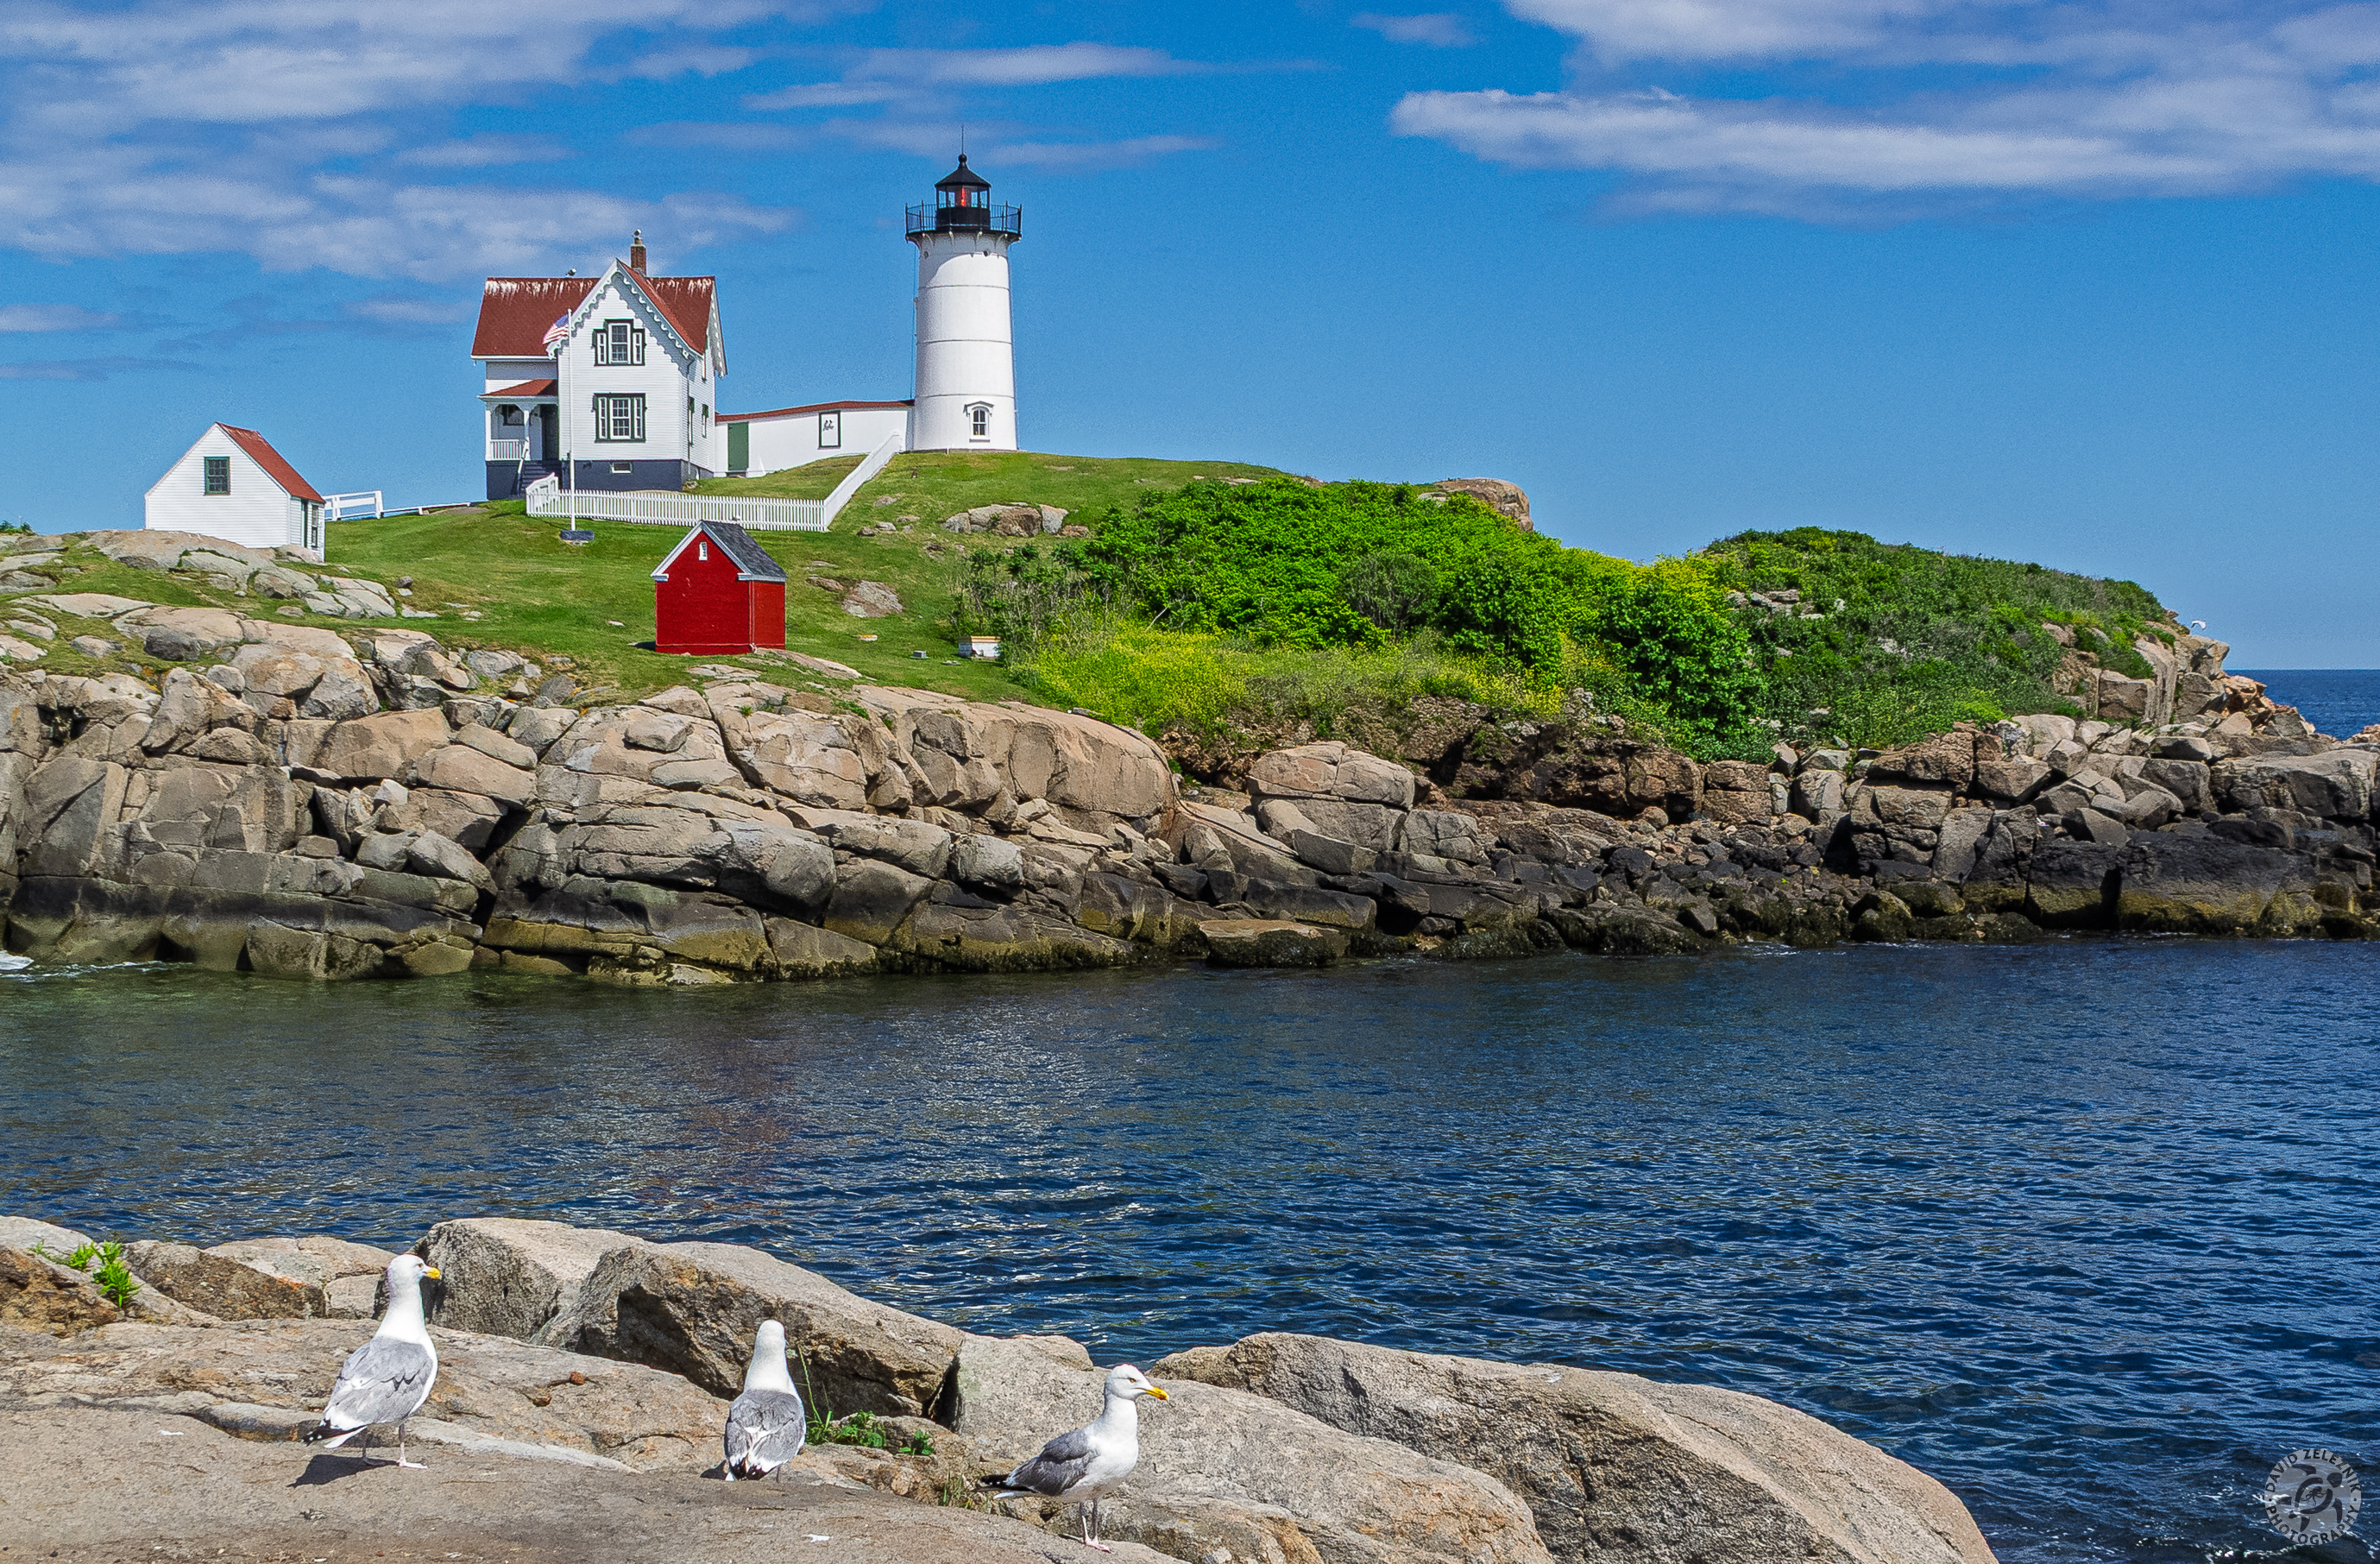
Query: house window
x=619, y=418
x=508, y=415
x=979, y=421
x=830, y=431
x=218, y=475
x=619, y=342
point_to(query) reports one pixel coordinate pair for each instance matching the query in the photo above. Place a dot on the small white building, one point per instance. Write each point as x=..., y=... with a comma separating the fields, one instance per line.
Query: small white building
x=233, y=485
x=764, y=441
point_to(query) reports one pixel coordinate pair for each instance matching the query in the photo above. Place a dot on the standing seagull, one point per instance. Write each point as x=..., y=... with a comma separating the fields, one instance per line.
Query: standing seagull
x=387, y=1378
x=766, y=1427
x=1084, y=1466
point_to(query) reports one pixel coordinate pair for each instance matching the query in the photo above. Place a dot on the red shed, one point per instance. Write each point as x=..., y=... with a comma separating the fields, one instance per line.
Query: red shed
x=718, y=591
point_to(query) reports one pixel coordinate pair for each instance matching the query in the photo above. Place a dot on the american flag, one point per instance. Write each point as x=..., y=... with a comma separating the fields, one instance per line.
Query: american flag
x=559, y=332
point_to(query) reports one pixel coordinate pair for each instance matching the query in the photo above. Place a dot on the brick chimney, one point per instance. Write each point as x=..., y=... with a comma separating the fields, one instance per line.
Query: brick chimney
x=637, y=251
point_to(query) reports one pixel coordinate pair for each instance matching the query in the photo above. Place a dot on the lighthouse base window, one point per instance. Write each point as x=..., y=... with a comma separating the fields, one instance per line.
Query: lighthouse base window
x=979, y=422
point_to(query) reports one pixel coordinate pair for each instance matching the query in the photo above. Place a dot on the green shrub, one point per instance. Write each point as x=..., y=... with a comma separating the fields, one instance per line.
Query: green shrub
x=1907, y=640
x=113, y=1277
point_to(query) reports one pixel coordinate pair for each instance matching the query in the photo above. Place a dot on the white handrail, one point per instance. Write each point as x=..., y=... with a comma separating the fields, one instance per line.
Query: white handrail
x=868, y=468
x=546, y=498
x=335, y=507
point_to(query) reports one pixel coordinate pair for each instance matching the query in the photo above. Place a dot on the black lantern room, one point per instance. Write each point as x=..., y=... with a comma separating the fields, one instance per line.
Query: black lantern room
x=963, y=205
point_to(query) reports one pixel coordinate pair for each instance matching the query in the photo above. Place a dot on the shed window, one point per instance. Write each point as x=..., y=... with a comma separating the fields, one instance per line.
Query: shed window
x=619, y=418
x=620, y=342
x=702, y=550
x=218, y=475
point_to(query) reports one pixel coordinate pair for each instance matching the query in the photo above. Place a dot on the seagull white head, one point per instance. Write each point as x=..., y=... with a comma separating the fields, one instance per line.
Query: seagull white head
x=1126, y=1383
x=406, y=1270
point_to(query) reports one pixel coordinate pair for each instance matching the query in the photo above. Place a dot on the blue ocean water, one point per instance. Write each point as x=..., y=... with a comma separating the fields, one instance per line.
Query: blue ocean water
x=2085, y=1228
x=2339, y=702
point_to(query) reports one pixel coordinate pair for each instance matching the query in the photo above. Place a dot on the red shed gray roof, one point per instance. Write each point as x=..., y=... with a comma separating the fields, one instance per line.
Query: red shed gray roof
x=751, y=560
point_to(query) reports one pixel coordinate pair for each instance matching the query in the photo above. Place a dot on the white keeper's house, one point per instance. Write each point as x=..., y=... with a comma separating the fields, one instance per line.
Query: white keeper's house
x=612, y=382
x=232, y=485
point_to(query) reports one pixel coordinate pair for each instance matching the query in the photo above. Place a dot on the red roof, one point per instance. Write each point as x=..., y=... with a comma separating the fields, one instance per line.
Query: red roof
x=811, y=408
x=526, y=388
x=515, y=313
x=278, y=468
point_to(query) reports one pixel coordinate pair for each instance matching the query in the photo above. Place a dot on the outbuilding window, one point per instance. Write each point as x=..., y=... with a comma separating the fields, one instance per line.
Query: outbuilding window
x=619, y=418
x=218, y=475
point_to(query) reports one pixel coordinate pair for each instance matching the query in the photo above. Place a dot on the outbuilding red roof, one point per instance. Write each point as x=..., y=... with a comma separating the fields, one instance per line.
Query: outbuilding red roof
x=278, y=468
x=515, y=313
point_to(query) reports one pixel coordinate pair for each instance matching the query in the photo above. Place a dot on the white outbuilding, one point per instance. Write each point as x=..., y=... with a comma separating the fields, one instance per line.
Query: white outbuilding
x=232, y=485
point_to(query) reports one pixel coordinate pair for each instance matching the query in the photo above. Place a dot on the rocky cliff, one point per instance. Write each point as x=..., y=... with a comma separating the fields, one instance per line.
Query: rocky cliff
x=297, y=801
x=576, y=1352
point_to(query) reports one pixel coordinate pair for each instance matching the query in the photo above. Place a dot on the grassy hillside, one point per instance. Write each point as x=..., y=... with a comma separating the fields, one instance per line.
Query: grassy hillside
x=1892, y=641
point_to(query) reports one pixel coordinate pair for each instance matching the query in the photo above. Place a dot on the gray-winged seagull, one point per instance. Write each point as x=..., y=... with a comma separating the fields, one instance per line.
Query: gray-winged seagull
x=1086, y=1465
x=387, y=1378
x=767, y=1425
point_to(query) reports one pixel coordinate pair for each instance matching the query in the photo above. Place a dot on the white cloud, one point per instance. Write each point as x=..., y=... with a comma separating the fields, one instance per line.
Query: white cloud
x=87, y=369
x=1715, y=30
x=830, y=94
x=1921, y=102
x=1036, y=66
x=1085, y=156
x=724, y=137
x=485, y=151
x=403, y=311
x=167, y=126
x=1439, y=29
x=53, y=317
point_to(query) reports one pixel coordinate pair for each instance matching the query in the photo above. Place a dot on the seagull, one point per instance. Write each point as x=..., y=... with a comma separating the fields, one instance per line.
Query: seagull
x=1084, y=1466
x=766, y=1426
x=387, y=1378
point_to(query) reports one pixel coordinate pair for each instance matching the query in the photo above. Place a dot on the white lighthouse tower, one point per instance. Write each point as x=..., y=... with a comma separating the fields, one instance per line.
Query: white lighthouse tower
x=966, y=367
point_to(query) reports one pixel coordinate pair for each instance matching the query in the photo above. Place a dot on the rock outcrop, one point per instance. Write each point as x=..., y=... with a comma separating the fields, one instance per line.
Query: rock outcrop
x=1226, y=1470
x=1286, y=1448
x=297, y=803
x=1616, y=1467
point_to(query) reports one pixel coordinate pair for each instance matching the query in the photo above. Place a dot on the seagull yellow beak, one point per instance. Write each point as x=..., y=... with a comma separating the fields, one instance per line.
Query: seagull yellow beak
x=431, y=1272
x=1159, y=1394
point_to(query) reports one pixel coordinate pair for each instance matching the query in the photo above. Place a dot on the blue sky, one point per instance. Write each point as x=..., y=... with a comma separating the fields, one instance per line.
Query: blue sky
x=2089, y=283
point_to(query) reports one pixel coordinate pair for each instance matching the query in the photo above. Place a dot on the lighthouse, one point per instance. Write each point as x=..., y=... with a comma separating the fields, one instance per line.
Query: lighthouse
x=967, y=369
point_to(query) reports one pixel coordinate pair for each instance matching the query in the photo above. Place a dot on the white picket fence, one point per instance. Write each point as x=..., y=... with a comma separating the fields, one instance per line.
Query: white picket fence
x=546, y=498
x=348, y=508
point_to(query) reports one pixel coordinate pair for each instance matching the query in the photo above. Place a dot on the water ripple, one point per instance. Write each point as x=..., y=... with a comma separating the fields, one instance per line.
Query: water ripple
x=2081, y=1228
